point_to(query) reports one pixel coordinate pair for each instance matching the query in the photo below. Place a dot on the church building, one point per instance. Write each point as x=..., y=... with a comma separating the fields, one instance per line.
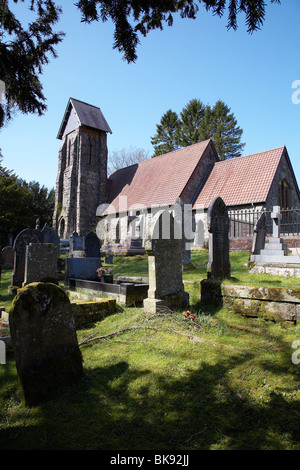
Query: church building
x=191, y=177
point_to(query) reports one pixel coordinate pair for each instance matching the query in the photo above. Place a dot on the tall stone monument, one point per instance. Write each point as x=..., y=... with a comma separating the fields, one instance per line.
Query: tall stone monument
x=164, y=251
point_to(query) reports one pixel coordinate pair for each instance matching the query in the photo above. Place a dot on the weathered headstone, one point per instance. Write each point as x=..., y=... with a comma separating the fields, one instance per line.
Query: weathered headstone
x=259, y=238
x=41, y=263
x=218, y=227
x=22, y=240
x=7, y=257
x=91, y=245
x=165, y=266
x=45, y=343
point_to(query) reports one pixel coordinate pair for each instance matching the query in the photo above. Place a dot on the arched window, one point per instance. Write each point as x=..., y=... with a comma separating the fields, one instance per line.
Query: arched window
x=284, y=193
x=61, y=228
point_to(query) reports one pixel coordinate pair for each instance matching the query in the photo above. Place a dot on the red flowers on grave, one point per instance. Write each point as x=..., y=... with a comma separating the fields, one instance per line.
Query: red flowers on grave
x=189, y=315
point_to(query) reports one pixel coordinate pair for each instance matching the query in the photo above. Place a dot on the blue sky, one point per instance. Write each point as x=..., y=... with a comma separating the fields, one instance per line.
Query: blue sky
x=252, y=74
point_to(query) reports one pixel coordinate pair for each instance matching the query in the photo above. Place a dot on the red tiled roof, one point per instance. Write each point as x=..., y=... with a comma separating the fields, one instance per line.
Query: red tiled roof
x=157, y=181
x=241, y=180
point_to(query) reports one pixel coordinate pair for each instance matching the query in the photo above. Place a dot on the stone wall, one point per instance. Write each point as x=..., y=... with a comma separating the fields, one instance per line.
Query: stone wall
x=269, y=303
x=85, y=313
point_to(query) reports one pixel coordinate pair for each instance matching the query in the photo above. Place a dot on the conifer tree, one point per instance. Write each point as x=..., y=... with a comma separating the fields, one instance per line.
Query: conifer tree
x=191, y=117
x=166, y=138
x=220, y=125
x=199, y=122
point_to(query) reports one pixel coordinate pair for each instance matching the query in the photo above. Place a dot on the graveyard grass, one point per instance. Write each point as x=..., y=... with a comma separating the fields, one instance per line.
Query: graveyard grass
x=222, y=382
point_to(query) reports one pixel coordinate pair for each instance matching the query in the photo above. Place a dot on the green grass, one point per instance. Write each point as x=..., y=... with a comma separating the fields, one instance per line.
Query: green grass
x=223, y=382
x=138, y=266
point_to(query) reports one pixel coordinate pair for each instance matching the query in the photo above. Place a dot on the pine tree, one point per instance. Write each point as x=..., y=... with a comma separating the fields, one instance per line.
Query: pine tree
x=166, y=138
x=220, y=125
x=191, y=118
x=199, y=122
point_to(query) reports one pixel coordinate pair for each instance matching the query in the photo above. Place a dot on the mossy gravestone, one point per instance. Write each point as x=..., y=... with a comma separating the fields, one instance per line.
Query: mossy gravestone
x=45, y=342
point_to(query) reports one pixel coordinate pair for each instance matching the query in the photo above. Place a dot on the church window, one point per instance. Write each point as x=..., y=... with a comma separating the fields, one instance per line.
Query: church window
x=284, y=191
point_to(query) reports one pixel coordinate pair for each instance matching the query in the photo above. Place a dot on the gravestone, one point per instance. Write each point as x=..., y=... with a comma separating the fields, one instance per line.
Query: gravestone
x=109, y=258
x=7, y=257
x=76, y=242
x=23, y=239
x=218, y=227
x=0, y=262
x=259, y=238
x=41, y=263
x=91, y=245
x=45, y=343
x=50, y=236
x=164, y=252
x=82, y=268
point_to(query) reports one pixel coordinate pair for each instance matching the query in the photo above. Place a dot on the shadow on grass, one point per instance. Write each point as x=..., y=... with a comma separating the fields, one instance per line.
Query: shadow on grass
x=124, y=407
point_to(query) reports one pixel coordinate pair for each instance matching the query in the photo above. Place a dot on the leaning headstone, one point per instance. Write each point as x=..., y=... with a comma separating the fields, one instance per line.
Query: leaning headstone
x=41, y=263
x=7, y=257
x=45, y=343
x=22, y=240
x=164, y=252
x=218, y=227
x=91, y=245
x=259, y=238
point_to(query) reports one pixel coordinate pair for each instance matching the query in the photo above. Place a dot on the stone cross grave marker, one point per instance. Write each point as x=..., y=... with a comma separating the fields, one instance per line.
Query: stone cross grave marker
x=218, y=227
x=276, y=216
x=45, y=343
x=164, y=251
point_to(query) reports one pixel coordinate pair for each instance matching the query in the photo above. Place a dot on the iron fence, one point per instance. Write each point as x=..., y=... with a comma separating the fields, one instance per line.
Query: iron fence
x=242, y=222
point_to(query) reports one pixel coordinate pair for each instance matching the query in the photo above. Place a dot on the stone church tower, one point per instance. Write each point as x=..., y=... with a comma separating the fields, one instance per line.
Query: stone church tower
x=81, y=183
